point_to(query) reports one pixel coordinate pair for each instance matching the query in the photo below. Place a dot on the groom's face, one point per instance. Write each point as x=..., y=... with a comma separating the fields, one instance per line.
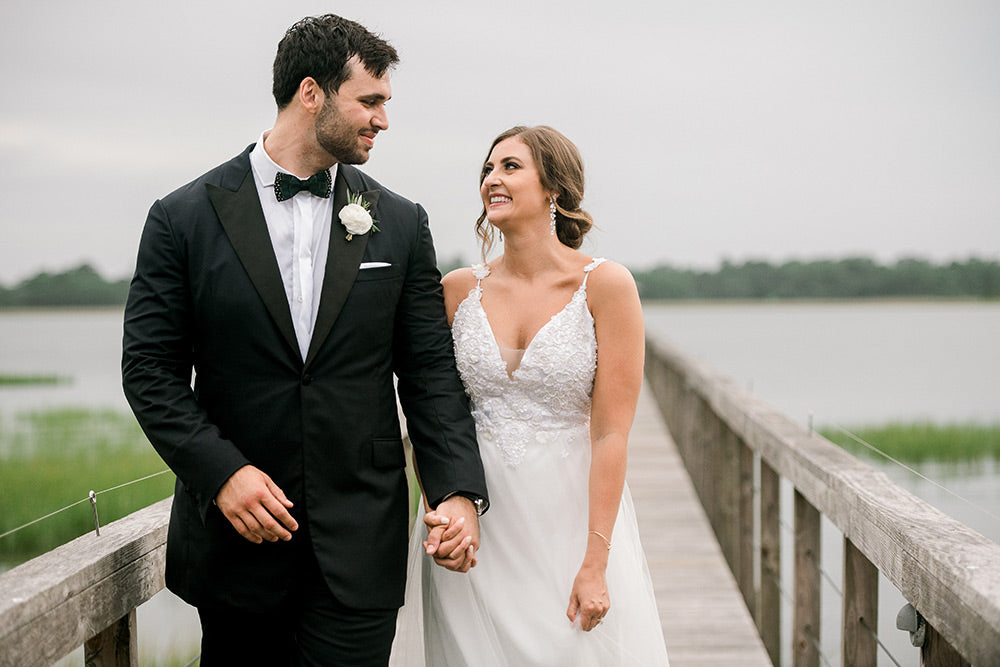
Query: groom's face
x=350, y=118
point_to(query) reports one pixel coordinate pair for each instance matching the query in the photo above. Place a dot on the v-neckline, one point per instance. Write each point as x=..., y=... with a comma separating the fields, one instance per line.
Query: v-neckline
x=529, y=346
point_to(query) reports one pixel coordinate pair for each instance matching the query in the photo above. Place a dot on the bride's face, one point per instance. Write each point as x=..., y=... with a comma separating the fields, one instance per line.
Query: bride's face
x=511, y=189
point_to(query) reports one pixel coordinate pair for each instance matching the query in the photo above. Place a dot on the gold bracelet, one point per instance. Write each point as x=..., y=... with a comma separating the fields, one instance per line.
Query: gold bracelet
x=607, y=542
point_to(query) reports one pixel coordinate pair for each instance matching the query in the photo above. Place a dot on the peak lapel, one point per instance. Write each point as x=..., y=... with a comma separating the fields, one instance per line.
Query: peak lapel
x=243, y=221
x=343, y=258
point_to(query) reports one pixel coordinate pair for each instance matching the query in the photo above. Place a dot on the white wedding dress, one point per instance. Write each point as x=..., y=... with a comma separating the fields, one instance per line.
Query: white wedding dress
x=534, y=436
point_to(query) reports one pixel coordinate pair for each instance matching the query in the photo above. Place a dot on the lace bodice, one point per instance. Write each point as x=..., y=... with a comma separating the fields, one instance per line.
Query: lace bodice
x=546, y=400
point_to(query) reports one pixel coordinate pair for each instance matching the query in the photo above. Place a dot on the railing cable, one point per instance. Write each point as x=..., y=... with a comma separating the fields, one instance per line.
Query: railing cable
x=878, y=641
x=902, y=465
x=135, y=481
x=819, y=649
x=81, y=501
x=815, y=559
x=42, y=518
x=826, y=575
x=776, y=578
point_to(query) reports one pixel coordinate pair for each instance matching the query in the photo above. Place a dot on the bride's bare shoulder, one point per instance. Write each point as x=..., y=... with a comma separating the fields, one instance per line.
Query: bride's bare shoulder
x=457, y=285
x=460, y=279
x=611, y=282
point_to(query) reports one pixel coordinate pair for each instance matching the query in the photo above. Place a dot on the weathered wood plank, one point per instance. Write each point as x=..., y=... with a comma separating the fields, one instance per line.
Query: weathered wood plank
x=936, y=652
x=769, y=612
x=116, y=646
x=860, y=617
x=705, y=622
x=806, y=613
x=53, y=604
x=745, y=574
x=729, y=492
x=950, y=573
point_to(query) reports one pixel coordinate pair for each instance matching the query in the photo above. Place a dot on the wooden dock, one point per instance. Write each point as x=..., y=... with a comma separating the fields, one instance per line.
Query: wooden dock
x=705, y=621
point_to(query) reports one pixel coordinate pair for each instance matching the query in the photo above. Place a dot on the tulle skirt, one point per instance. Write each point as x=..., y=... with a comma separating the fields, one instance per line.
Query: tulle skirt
x=511, y=608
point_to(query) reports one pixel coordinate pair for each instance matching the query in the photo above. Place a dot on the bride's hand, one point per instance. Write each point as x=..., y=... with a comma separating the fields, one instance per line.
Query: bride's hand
x=435, y=524
x=589, y=601
x=434, y=520
x=453, y=534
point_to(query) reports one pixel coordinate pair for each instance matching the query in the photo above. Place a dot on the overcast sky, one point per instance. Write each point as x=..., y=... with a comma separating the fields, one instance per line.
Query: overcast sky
x=741, y=130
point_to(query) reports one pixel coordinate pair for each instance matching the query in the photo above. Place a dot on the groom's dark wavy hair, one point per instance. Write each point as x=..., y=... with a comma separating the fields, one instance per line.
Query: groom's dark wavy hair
x=320, y=47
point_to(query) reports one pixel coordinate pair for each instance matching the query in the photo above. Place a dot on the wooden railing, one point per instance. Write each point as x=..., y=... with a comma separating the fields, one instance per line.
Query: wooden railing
x=85, y=592
x=729, y=438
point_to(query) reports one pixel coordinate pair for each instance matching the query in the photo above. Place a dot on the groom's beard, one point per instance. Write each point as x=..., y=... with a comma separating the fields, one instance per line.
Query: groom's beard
x=337, y=137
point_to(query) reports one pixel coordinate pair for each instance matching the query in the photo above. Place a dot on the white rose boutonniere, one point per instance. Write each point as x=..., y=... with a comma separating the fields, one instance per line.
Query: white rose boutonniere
x=356, y=216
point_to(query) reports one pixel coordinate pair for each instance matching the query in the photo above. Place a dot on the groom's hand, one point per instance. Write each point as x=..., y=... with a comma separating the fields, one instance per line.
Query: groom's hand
x=453, y=534
x=256, y=506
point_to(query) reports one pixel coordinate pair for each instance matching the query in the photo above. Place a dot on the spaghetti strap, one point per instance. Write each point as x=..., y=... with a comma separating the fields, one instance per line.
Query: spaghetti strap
x=480, y=271
x=587, y=269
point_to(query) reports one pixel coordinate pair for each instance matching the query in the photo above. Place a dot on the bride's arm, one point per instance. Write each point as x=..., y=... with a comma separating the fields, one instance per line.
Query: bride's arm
x=614, y=302
x=452, y=545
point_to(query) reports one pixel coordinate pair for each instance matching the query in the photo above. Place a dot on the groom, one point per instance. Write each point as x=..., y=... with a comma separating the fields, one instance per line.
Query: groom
x=296, y=287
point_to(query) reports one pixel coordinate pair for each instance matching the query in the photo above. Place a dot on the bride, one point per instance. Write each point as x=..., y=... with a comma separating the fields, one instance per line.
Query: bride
x=549, y=344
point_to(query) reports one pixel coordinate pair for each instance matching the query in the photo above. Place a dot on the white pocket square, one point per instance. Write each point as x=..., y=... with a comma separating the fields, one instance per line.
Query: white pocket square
x=373, y=265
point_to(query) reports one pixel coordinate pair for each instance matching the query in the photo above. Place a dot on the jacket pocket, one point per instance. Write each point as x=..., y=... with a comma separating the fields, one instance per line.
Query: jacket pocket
x=387, y=272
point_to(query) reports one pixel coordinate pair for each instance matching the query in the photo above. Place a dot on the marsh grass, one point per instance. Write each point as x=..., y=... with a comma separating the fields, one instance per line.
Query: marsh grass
x=921, y=442
x=22, y=380
x=50, y=459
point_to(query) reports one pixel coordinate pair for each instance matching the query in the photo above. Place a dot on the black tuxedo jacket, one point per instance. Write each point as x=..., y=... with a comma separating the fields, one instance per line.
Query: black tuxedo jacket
x=207, y=295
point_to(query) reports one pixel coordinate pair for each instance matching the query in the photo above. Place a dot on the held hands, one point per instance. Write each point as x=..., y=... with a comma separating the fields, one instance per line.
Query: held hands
x=589, y=601
x=256, y=507
x=453, y=534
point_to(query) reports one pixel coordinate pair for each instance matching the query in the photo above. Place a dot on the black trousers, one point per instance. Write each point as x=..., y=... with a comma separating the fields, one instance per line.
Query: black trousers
x=312, y=628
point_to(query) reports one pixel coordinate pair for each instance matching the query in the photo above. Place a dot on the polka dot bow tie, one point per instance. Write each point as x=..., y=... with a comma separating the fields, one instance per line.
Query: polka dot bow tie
x=286, y=185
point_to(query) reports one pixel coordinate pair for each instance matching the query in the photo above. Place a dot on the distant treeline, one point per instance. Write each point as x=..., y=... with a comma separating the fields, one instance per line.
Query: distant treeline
x=81, y=286
x=850, y=278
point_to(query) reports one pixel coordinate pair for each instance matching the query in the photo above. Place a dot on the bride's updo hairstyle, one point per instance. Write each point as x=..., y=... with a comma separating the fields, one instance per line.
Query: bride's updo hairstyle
x=560, y=170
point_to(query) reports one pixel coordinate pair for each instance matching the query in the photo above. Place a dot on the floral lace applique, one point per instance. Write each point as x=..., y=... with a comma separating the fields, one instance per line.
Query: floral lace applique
x=480, y=271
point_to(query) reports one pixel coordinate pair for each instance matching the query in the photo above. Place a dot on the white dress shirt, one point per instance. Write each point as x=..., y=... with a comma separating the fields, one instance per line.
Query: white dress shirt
x=300, y=235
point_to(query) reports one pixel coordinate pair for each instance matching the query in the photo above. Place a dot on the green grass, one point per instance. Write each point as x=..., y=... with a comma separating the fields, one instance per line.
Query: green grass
x=53, y=458
x=920, y=442
x=21, y=380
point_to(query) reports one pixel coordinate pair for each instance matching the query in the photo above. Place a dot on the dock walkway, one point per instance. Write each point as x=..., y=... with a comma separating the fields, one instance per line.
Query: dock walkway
x=705, y=621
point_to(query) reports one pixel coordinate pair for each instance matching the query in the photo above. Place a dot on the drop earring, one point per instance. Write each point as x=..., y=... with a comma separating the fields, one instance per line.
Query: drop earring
x=552, y=215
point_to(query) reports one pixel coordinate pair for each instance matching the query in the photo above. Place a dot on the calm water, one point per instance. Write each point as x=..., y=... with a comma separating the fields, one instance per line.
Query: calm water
x=844, y=363
x=850, y=364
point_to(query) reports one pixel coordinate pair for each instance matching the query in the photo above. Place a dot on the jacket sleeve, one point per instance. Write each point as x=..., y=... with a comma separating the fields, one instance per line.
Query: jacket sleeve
x=430, y=391
x=157, y=362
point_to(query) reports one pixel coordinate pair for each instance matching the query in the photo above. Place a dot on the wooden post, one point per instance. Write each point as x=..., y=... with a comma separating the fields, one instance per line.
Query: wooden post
x=859, y=648
x=711, y=456
x=806, y=614
x=696, y=454
x=729, y=515
x=747, y=521
x=115, y=646
x=937, y=652
x=769, y=620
